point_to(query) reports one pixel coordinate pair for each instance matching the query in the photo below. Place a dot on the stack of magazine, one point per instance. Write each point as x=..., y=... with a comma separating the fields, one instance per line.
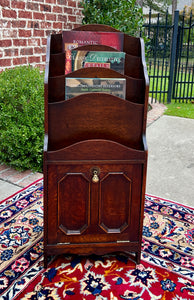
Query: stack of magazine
x=77, y=56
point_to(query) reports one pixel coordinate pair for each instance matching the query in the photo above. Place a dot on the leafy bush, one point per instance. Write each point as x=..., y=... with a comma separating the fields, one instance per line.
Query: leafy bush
x=124, y=15
x=22, y=118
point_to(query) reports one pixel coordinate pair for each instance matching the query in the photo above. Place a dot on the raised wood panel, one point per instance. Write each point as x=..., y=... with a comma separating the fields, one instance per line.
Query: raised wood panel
x=114, y=204
x=73, y=203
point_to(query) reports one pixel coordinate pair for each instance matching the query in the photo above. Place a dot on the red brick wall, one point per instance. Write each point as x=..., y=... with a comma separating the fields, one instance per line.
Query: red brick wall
x=25, y=25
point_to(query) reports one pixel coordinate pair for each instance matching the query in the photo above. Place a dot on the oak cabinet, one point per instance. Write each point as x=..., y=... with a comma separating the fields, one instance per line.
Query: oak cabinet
x=95, y=158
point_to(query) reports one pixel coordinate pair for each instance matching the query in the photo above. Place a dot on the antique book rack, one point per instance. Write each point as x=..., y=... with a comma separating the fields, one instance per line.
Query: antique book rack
x=95, y=156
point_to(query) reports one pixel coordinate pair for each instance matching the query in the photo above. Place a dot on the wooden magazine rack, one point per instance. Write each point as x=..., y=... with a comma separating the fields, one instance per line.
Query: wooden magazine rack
x=95, y=157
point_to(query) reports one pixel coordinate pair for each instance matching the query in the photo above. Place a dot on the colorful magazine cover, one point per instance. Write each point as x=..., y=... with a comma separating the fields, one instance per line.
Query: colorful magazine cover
x=74, y=39
x=77, y=86
x=102, y=59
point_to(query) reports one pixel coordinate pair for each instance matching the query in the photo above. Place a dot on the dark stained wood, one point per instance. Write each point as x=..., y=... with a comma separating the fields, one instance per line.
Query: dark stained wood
x=98, y=115
x=135, y=88
x=103, y=149
x=57, y=64
x=133, y=65
x=56, y=43
x=95, y=157
x=87, y=222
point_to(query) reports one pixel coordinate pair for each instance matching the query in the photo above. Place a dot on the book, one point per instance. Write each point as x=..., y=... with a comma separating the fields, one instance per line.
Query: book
x=102, y=59
x=77, y=86
x=74, y=39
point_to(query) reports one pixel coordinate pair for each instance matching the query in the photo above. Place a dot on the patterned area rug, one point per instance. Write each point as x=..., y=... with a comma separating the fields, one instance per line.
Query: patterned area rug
x=166, y=270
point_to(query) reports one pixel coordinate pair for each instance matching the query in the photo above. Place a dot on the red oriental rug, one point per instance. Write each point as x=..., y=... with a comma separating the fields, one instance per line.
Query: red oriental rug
x=166, y=270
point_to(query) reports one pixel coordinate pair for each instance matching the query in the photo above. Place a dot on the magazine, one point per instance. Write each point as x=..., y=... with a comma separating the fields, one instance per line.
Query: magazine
x=74, y=39
x=77, y=86
x=102, y=59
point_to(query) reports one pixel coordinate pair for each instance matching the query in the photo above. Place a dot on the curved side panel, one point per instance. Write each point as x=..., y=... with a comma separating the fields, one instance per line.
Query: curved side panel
x=73, y=203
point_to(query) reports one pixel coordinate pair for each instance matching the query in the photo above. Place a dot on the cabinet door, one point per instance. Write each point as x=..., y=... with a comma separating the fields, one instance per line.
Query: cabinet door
x=83, y=210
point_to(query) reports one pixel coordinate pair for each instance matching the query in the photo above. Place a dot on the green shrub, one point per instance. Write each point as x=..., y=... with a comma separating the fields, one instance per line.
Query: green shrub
x=124, y=15
x=22, y=118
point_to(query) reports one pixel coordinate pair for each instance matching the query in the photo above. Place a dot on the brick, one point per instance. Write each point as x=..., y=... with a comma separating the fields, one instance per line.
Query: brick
x=38, y=16
x=57, y=25
x=18, y=4
x=72, y=19
x=5, y=3
x=19, y=61
x=33, y=59
x=57, y=9
x=62, y=2
x=9, y=33
x=39, y=50
x=5, y=43
x=32, y=6
x=33, y=24
x=7, y=173
x=20, y=42
x=37, y=32
x=46, y=25
x=24, y=14
x=5, y=23
x=22, y=28
x=30, y=179
x=46, y=8
x=41, y=66
x=50, y=17
x=5, y=62
x=8, y=13
x=62, y=18
x=18, y=24
x=26, y=51
x=67, y=26
x=68, y=10
x=3, y=167
x=34, y=42
x=43, y=58
x=71, y=3
x=11, y=52
x=79, y=20
x=77, y=12
x=44, y=40
x=24, y=33
x=16, y=176
x=50, y=1
x=48, y=32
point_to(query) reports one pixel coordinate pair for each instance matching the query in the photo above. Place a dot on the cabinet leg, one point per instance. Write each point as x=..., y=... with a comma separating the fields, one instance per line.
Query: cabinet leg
x=45, y=260
x=138, y=257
